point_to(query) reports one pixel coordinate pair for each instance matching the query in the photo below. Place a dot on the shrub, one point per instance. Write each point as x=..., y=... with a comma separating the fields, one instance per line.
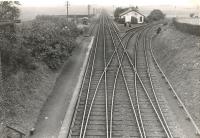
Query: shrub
x=118, y=11
x=192, y=15
x=50, y=39
x=155, y=15
x=15, y=57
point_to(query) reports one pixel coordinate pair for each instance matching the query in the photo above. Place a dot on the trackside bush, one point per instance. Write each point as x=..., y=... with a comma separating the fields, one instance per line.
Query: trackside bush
x=155, y=15
x=50, y=39
x=14, y=56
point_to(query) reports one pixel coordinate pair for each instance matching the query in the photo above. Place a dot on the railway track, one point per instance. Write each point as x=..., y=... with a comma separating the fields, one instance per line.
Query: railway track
x=150, y=123
x=92, y=28
x=191, y=129
x=118, y=96
x=79, y=131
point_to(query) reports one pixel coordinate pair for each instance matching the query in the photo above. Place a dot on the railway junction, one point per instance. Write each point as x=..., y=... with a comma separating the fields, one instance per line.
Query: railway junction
x=124, y=92
x=115, y=73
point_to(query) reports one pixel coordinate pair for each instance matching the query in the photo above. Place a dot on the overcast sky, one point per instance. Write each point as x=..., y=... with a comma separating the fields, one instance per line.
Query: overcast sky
x=52, y=3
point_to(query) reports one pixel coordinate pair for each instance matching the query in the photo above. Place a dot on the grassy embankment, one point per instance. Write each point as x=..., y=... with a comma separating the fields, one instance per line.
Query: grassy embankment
x=31, y=61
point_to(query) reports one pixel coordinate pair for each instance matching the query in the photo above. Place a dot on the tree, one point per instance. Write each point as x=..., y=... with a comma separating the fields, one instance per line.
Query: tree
x=50, y=39
x=155, y=15
x=118, y=11
x=8, y=12
x=191, y=15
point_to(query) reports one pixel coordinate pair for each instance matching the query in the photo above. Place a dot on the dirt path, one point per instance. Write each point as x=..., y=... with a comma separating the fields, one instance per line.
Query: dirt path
x=53, y=112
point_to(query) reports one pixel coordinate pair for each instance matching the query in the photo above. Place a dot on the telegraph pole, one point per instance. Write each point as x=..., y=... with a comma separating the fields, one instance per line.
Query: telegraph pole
x=198, y=8
x=67, y=4
x=113, y=10
x=93, y=11
x=89, y=10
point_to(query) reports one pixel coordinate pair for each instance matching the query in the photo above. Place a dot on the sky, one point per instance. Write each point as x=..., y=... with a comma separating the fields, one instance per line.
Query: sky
x=117, y=3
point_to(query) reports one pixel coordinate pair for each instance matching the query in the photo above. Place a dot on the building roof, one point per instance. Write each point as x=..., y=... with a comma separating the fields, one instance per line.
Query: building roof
x=130, y=10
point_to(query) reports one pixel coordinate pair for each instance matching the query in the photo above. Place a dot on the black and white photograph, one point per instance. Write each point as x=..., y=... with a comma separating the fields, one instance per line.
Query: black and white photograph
x=100, y=69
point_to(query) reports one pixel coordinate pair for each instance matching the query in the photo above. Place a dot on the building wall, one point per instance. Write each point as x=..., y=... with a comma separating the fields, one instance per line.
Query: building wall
x=133, y=14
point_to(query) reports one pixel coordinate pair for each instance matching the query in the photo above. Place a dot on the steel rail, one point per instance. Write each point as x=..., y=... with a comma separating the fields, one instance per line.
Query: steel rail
x=148, y=97
x=116, y=80
x=91, y=105
x=152, y=86
x=81, y=89
x=106, y=68
x=90, y=79
x=91, y=29
x=139, y=78
x=105, y=80
x=128, y=91
x=135, y=85
x=128, y=31
x=174, y=92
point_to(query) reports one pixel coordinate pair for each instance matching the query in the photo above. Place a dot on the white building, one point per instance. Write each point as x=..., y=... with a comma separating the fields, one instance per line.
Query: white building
x=132, y=15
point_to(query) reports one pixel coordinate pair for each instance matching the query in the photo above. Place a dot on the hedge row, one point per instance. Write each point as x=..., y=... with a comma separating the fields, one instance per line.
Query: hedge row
x=188, y=28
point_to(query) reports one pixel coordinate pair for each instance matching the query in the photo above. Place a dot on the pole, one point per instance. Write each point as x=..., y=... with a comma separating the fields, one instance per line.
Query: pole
x=67, y=10
x=198, y=8
x=175, y=12
x=89, y=10
x=113, y=10
x=1, y=78
x=93, y=11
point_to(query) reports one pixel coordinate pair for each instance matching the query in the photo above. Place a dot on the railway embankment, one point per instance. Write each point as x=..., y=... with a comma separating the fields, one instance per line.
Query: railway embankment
x=179, y=56
x=39, y=87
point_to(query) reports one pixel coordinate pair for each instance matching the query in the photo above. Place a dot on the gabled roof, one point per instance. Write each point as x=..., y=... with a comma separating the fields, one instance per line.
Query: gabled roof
x=130, y=10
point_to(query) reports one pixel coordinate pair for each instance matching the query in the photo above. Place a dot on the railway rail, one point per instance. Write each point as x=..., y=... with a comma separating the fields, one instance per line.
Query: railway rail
x=92, y=28
x=109, y=61
x=146, y=113
x=118, y=96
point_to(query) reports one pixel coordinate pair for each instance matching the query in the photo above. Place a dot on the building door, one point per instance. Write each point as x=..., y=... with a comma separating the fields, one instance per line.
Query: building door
x=133, y=20
x=141, y=19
